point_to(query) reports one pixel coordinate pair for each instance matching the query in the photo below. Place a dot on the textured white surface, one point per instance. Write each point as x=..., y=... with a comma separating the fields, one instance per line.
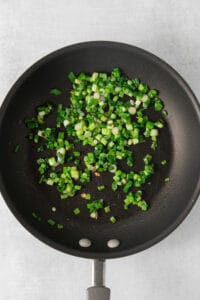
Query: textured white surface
x=30, y=29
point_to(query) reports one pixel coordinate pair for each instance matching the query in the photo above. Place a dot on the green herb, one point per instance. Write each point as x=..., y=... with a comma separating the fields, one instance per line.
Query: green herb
x=167, y=179
x=163, y=162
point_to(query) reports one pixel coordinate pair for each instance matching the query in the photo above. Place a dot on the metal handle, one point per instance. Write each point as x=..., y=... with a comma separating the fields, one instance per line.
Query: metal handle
x=98, y=291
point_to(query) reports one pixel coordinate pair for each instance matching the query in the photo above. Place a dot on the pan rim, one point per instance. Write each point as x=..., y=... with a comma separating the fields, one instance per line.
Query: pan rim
x=90, y=254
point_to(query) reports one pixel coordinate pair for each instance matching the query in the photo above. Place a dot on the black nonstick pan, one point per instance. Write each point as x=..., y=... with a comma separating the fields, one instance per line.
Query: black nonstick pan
x=179, y=143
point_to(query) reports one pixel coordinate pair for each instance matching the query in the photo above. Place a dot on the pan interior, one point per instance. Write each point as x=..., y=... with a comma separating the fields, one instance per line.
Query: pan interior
x=179, y=144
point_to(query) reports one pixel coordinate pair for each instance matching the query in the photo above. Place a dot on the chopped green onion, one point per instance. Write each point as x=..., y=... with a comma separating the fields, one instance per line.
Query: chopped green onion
x=113, y=220
x=87, y=196
x=101, y=187
x=107, y=117
x=17, y=148
x=76, y=211
x=31, y=123
x=60, y=226
x=74, y=173
x=76, y=153
x=34, y=215
x=52, y=162
x=107, y=209
x=71, y=77
x=164, y=113
x=93, y=208
x=55, y=92
x=51, y=222
x=158, y=105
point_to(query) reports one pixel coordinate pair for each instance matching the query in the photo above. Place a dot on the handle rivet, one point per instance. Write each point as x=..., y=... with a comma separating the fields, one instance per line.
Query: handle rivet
x=85, y=243
x=114, y=243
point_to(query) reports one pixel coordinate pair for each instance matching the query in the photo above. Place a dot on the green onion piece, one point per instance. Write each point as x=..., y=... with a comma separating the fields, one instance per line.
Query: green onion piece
x=55, y=92
x=163, y=162
x=74, y=173
x=143, y=205
x=60, y=226
x=70, y=158
x=113, y=220
x=52, y=162
x=158, y=105
x=72, y=77
x=152, y=93
x=34, y=215
x=107, y=209
x=51, y=222
x=164, y=113
x=167, y=179
x=77, y=162
x=17, y=148
x=76, y=153
x=76, y=211
x=87, y=196
x=94, y=206
x=40, y=149
x=31, y=123
x=101, y=187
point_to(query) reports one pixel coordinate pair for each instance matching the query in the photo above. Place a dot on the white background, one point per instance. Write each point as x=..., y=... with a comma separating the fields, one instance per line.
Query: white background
x=30, y=29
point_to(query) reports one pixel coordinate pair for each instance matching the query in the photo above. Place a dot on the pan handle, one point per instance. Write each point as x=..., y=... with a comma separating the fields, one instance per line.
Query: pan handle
x=98, y=291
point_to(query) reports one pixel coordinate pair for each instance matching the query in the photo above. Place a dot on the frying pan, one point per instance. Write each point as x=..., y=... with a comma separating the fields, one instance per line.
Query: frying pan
x=179, y=143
